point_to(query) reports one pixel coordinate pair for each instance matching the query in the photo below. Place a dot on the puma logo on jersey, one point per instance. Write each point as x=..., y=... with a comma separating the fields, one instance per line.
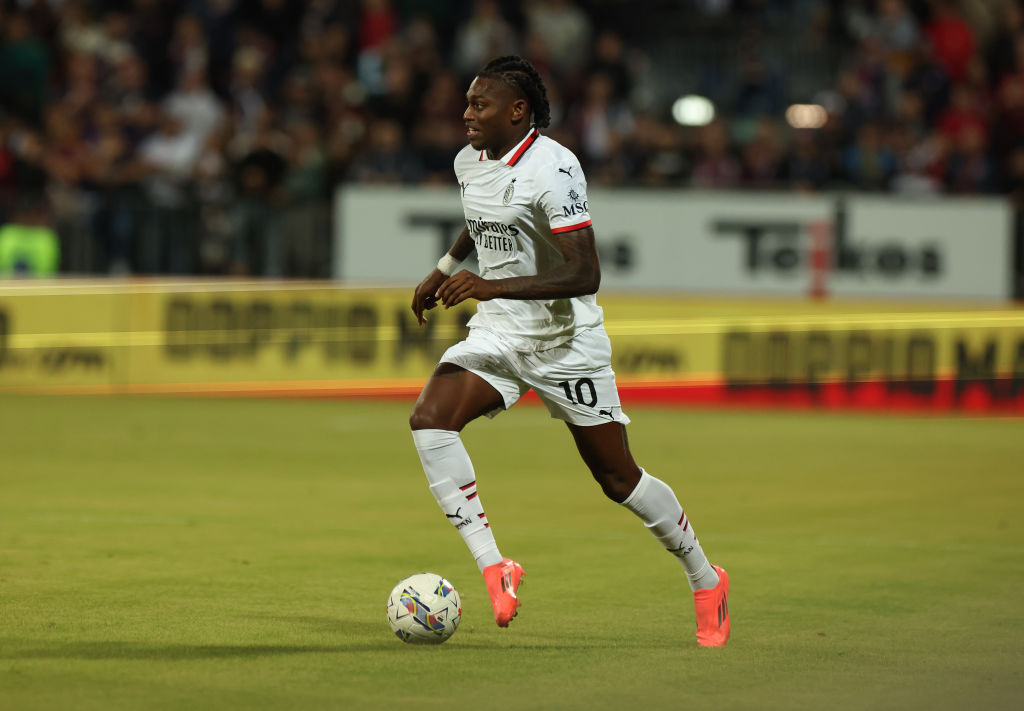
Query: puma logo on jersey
x=567, y=171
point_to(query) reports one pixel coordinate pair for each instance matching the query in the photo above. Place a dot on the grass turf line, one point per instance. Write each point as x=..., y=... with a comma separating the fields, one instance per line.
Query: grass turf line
x=161, y=553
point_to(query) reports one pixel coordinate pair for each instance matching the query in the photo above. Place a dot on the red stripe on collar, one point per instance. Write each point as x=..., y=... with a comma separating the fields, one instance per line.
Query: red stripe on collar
x=531, y=139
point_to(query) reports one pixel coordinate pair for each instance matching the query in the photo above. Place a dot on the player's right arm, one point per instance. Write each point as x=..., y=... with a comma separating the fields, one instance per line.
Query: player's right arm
x=424, y=297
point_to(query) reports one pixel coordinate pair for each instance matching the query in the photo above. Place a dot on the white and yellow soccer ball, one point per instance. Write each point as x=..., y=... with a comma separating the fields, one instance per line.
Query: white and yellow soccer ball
x=424, y=609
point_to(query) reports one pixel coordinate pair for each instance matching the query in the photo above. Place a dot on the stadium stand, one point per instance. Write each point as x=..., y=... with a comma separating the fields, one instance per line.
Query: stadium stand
x=190, y=136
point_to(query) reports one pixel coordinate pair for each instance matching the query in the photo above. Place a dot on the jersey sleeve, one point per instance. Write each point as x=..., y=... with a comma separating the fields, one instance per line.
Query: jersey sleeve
x=562, y=195
x=457, y=164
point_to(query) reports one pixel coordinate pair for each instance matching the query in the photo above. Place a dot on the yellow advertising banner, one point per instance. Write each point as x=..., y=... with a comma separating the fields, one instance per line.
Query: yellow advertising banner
x=182, y=336
x=295, y=338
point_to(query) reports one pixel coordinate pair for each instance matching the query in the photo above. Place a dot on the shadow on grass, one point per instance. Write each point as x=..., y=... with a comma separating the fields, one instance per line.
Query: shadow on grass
x=176, y=652
x=351, y=636
x=331, y=624
x=107, y=650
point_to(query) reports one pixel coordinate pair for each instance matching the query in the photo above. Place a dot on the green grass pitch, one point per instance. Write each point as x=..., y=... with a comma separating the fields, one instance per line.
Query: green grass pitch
x=214, y=554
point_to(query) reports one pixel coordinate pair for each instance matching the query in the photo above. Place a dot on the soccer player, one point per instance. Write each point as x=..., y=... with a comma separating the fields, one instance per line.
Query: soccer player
x=537, y=326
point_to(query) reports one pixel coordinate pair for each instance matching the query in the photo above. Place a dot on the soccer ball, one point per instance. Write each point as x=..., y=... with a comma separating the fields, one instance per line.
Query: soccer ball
x=424, y=609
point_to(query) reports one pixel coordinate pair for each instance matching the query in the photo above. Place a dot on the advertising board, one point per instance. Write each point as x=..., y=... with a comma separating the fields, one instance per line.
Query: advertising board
x=326, y=340
x=716, y=242
x=216, y=338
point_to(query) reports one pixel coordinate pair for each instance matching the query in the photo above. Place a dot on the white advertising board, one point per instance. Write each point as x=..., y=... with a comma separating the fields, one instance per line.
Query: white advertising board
x=391, y=235
x=754, y=243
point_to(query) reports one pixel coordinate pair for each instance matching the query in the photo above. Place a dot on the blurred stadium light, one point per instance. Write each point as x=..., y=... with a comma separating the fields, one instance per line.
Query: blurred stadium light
x=693, y=110
x=806, y=116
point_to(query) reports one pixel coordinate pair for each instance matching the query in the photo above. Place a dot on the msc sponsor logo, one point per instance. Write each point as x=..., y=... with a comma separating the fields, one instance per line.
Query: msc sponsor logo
x=576, y=208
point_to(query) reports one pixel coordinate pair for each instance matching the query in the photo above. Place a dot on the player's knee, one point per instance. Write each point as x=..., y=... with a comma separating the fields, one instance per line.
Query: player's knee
x=618, y=484
x=425, y=416
x=420, y=420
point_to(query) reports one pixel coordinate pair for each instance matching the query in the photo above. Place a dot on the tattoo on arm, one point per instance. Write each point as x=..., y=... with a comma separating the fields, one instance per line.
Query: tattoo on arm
x=580, y=274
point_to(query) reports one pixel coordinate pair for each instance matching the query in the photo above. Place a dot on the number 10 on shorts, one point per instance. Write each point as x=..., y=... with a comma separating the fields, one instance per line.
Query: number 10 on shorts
x=584, y=389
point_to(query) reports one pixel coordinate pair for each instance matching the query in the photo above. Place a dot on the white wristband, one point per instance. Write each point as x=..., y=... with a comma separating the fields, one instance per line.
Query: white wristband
x=448, y=264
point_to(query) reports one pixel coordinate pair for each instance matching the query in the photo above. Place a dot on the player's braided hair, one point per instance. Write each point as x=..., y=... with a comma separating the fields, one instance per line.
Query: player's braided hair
x=522, y=77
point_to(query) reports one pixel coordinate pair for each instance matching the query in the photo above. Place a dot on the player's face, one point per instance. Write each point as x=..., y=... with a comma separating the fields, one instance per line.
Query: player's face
x=493, y=116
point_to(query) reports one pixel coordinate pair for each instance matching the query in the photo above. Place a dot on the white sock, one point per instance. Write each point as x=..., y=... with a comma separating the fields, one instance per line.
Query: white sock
x=453, y=483
x=657, y=506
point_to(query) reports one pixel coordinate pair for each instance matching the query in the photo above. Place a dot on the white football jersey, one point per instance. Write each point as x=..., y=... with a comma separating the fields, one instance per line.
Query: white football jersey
x=514, y=208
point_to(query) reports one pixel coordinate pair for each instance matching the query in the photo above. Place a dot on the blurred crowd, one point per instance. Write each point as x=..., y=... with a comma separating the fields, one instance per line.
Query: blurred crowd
x=207, y=136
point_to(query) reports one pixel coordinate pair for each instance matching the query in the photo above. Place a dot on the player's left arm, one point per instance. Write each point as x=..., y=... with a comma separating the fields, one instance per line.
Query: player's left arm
x=580, y=274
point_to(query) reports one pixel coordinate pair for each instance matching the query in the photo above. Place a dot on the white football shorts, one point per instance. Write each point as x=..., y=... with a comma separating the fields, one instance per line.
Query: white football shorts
x=574, y=380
